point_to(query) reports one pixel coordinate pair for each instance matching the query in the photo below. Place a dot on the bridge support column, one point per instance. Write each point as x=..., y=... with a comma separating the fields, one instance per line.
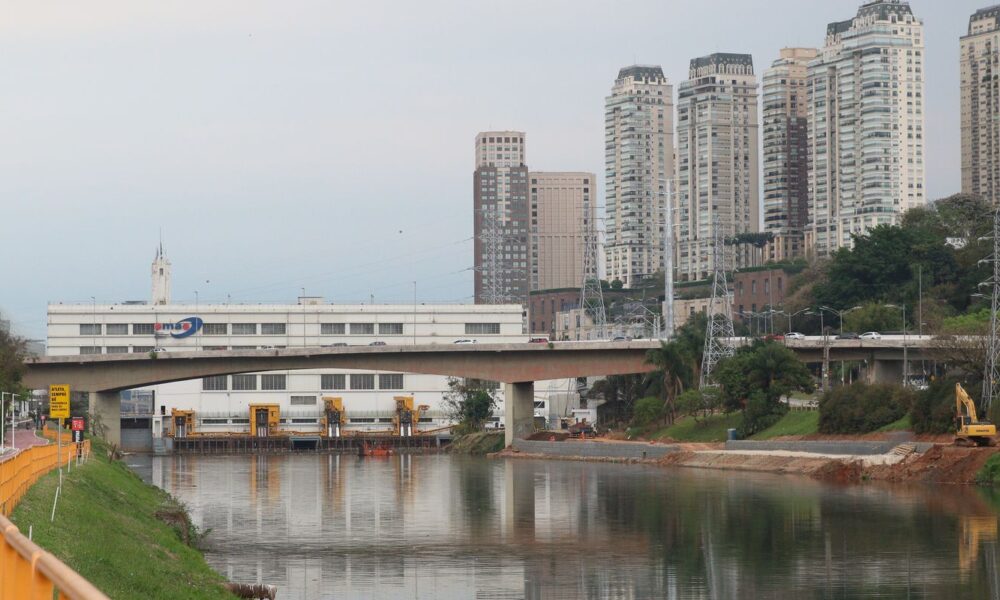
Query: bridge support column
x=519, y=411
x=106, y=416
x=885, y=371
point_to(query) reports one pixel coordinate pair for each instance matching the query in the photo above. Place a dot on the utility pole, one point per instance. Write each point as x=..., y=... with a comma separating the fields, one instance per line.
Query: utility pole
x=991, y=376
x=719, y=334
x=668, y=263
x=590, y=292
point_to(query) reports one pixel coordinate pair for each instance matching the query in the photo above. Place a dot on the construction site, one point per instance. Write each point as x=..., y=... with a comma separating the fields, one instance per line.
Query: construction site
x=267, y=430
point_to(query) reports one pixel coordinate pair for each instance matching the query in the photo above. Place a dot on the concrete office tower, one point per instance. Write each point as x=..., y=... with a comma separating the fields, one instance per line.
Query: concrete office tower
x=717, y=159
x=638, y=157
x=160, y=273
x=501, y=219
x=980, y=66
x=786, y=147
x=866, y=125
x=562, y=210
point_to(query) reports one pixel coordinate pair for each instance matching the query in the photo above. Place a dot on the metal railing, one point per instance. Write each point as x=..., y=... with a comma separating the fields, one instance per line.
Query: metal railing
x=27, y=572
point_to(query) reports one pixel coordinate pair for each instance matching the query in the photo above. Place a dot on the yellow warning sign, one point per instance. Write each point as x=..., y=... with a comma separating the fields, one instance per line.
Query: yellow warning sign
x=58, y=401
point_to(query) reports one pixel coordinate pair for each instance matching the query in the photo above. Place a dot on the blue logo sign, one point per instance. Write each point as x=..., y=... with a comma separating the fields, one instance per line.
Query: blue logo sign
x=180, y=329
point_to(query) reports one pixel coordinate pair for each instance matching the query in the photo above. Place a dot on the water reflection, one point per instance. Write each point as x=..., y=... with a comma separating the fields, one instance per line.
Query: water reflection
x=328, y=526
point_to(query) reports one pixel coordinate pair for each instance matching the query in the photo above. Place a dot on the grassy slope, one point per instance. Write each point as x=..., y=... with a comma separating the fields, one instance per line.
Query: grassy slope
x=712, y=429
x=796, y=422
x=900, y=425
x=478, y=443
x=106, y=529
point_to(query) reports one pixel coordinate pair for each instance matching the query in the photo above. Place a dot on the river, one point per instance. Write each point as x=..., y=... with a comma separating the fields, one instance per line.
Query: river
x=442, y=527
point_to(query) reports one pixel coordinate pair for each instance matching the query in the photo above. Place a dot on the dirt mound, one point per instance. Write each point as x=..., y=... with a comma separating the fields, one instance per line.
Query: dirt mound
x=838, y=471
x=548, y=436
x=940, y=464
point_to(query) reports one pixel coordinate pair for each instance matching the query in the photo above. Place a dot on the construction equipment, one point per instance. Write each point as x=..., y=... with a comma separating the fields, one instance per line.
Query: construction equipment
x=407, y=417
x=181, y=423
x=334, y=416
x=265, y=420
x=969, y=430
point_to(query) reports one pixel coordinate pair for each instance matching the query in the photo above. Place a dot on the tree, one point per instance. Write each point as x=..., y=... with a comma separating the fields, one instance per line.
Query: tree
x=12, y=354
x=874, y=317
x=677, y=363
x=755, y=380
x=699, y=404
x=470, y=403
x=648, y=411
x=617, y=284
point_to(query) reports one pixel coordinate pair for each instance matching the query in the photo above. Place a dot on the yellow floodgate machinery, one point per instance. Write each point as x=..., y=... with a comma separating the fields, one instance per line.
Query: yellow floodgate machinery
x=334, y=417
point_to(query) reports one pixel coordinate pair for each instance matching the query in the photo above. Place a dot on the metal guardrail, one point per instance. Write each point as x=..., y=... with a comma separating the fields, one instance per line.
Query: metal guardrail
x=27, y=572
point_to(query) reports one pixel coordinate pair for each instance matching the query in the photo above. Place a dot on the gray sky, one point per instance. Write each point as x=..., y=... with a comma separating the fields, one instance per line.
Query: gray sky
x=329, y=144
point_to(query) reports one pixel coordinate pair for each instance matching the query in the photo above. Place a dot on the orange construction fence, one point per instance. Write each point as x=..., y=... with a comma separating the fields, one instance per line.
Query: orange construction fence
x=26, y=571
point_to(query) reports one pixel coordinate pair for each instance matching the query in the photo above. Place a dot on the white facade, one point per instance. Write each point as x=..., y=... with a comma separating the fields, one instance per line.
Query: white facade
x=160, y=274
x=980, y=67
x=638, y=160
x=866, y=125
x=222, y=404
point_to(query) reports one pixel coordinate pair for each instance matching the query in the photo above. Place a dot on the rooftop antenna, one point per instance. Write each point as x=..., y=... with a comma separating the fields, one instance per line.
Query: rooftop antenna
x=719, y=334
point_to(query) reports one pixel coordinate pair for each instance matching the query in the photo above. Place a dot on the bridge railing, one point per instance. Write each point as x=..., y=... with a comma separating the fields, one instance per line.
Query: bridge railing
x=27, y=571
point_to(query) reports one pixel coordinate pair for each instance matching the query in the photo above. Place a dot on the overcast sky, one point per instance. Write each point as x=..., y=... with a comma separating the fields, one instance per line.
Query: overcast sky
x=328, y=144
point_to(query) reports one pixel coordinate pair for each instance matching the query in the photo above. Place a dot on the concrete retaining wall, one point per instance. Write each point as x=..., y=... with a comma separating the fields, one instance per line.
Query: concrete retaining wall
x=594, y=449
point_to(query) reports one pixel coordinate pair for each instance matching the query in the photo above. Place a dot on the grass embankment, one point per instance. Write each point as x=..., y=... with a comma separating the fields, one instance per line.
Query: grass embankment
x=989, y=473
x=903, y=424
x=483, y=442
x=107, y=528
x=714, y=428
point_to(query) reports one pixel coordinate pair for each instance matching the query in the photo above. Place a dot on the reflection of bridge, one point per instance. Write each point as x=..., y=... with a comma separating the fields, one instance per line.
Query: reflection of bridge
x=517, y=365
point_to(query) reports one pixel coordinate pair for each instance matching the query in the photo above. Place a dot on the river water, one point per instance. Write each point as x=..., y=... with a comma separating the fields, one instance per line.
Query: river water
x=442, y=527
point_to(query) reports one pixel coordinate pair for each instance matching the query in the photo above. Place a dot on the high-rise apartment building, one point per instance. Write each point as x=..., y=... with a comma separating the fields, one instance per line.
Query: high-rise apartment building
x=717, y=159
x=501, y=219
x=638, y=159
x=980, y=68
x=866, y=125
x=562, y=212
x=786, y=147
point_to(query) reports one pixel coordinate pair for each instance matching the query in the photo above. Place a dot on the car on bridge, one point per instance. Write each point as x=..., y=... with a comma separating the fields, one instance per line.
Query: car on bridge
x=871, y=335
x=464, y=341
x=794, y=335
x=847, y=335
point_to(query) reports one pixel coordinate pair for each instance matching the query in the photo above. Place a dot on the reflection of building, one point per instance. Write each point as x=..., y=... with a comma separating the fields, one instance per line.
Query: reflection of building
x=638, y=151
x=980, y=67
x=866, y=125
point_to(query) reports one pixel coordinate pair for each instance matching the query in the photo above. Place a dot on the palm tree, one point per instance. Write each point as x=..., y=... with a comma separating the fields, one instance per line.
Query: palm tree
x=675, y=370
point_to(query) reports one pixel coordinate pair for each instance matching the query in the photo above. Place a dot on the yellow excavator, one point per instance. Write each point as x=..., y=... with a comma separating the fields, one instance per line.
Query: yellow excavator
x=969, y=430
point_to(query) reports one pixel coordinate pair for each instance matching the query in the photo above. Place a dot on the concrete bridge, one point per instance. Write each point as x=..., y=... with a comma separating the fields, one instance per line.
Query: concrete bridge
x=516, y=365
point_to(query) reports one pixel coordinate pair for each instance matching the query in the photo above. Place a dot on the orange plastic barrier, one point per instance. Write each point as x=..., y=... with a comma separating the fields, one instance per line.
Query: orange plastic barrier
x=26, y=571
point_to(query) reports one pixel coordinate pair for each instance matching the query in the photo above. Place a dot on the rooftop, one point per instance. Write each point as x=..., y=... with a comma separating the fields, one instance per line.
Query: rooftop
x=641, y=72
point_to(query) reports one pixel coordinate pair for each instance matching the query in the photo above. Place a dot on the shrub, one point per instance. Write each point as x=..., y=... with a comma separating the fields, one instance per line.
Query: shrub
x=863, y=408
x=647, y=411
x=760, y=413
x=989, y=474
x=934, y=408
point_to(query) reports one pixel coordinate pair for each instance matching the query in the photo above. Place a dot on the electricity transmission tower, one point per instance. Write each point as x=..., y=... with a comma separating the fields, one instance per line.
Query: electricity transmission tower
x=591, y=294
x=491, y=237
x=991, y=376
x=719, y=333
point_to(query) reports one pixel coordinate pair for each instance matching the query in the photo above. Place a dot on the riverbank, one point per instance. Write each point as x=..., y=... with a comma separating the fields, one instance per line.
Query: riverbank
x=477, y=444
x=841, y=460
x=124, y=536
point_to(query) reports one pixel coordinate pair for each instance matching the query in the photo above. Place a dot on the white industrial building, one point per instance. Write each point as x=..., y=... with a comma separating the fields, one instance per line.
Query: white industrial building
x=221, y=404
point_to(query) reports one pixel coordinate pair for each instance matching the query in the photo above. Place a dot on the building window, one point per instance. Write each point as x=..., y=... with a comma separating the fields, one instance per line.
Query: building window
x=244, y=347
x=142, y=329
x=117, y=350
x=141, y=349
x=214, y=348
x=272, y=382
x=90, y=329
x=243, y=383
x=362, y=382
x=117, y=328
x=362, y=328
x=753, y=288
x=272, y=329
x=216, y=383
x=336, y=381
x=767, y=286
x=390, y=381
x=90, y=349
x=332, y=329
x=303, y=400
x=244, y=329
x=482, y=329
x=215, y=328
x=390, y=329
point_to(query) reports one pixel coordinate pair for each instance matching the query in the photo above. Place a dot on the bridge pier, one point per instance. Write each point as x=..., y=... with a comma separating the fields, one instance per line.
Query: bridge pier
x=885, y=371
x=106, y=416
x=519, y=411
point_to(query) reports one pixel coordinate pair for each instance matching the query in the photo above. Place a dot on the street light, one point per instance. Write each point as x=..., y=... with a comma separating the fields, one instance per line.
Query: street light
x=906, y=361
x=840, y=313
x=790, y=316
x=13, y=403
x=826, y=349
x=2, y=394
